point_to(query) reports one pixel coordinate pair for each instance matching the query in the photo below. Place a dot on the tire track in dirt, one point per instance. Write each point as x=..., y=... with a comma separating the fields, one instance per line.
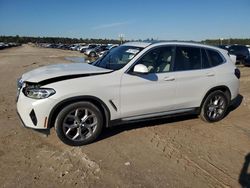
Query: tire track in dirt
x=172, y=150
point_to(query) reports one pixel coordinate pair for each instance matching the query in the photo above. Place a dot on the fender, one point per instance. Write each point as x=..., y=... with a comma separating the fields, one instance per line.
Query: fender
x=222, y=88
x=96, y=101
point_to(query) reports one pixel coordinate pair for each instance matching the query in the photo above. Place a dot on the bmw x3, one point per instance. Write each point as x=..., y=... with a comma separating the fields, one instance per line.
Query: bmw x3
x=133, y=82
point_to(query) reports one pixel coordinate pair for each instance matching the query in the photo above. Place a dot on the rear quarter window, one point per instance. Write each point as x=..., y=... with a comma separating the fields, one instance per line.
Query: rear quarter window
x=215, y=58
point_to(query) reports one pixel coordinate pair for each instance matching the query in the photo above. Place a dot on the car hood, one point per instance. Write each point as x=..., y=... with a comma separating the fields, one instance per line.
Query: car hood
x=62, y=71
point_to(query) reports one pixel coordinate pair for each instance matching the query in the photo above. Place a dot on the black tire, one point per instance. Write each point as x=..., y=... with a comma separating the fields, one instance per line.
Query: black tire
x=211, y=112
x=86, y=133
x=92, y=54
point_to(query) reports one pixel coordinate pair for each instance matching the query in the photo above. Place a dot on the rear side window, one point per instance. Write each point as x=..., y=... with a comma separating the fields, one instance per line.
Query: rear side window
x=187, y=58
x=215, y=58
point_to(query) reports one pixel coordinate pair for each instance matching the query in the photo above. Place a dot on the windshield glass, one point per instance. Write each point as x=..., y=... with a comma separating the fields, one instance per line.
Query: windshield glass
x=118, y=57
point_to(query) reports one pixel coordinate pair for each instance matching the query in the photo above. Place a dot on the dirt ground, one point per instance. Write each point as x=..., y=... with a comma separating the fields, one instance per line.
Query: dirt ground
x=173, y=152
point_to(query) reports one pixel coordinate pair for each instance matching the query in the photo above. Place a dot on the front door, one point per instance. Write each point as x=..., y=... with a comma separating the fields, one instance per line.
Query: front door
x=145, y=94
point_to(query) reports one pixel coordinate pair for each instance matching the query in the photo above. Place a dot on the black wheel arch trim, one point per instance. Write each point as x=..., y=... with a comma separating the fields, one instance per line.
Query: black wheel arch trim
x=95, y=100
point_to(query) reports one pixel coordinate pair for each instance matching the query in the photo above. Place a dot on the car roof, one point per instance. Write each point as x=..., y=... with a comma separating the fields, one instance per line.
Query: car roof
x=159, y=43
x=137, y=44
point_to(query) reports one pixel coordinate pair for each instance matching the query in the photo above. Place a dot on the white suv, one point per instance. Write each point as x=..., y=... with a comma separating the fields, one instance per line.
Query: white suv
x=135, y=81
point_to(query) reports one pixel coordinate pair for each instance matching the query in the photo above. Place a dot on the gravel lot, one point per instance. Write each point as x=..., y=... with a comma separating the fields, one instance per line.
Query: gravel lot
x=173, y=152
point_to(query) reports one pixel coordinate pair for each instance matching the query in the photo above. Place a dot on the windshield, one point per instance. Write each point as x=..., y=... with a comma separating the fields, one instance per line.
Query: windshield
x=118, y=57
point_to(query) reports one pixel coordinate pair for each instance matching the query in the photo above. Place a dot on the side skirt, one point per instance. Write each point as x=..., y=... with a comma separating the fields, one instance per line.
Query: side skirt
x=153, y=116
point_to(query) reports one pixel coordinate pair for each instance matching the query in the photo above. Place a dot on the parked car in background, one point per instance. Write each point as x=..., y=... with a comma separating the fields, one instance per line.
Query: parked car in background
x=64, y=47
x=225, y=47
x=89, y=46
x=4, y=45
x=74, y=47
x=132, y=82
x=241, y=52
x=80, y=47
x=94, y=52
x=109, y=47
x=248, y=46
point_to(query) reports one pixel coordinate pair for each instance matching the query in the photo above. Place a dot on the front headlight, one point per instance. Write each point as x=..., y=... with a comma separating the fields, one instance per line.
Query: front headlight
x=39, y=93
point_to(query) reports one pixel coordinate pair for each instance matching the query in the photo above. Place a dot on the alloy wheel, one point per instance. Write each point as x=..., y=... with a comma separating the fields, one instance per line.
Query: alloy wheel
x=79, y=124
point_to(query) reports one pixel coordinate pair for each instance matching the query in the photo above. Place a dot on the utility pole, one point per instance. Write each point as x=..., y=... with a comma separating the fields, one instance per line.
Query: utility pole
x=221, y=41
x=121, y=38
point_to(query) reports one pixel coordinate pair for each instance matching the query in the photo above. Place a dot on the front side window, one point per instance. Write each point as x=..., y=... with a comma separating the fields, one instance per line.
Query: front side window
x=118, y=57
x=215, y=58
x=158, y=60
x=187, y=58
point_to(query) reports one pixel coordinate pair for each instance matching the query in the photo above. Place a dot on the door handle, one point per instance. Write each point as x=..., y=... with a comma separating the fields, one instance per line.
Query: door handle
x=209, y=74
x=170, y=78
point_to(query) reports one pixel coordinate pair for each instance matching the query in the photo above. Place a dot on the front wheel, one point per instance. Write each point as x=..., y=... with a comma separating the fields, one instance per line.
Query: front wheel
x=214, y=107
x=79, y=123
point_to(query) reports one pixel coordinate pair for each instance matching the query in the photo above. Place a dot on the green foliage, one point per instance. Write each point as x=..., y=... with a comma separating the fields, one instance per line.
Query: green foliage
x=227, y=41
x=66, y=40
x=55, y=40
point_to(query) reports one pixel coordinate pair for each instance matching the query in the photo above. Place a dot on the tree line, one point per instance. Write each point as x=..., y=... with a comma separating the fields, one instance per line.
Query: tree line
x=55, y=40
x=66, y=40
x=227, y=41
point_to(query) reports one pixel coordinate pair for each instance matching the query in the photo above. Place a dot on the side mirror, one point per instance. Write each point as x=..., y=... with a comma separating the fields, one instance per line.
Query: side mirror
x=140, y=68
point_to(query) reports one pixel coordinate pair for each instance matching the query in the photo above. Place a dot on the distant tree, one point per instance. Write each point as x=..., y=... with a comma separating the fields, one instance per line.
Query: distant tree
x=227, y=41
x=66, y=40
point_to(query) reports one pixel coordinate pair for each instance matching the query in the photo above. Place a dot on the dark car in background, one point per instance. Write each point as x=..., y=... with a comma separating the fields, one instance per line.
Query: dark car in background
x=225, y=47
x=242, y=54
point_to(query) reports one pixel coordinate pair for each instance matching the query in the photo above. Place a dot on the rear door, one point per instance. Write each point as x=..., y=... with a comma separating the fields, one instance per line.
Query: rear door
x=193, y=76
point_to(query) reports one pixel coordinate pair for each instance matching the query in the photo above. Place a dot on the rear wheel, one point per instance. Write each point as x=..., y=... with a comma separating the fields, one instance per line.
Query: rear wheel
x=79, y=123
x=214, y=107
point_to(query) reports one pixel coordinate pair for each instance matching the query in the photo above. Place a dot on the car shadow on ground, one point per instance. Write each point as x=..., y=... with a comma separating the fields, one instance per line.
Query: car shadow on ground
x=112, y=131
x=244, y=178
x=234, y=104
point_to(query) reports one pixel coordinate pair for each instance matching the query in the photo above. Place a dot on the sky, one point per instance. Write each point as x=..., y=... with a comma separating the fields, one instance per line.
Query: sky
x=134, y=19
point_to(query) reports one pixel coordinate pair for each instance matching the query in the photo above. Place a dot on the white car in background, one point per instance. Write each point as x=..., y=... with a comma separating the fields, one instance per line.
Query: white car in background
x=110, y=47
x=89, y=46
x=132, y=82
